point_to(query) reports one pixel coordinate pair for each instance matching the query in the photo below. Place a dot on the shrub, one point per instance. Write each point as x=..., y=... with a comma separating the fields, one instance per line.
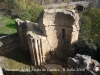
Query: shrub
x=86, y=47
x=24, y=15
x=31, y=10
x=85, y=27
x=35, y=11
x=32, y=13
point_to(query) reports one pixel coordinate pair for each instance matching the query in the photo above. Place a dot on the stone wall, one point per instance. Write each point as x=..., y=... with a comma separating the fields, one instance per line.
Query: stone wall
x=83, y=65
x=61, y=29
x=55, y=31
x=9, y=42
x=21, y=30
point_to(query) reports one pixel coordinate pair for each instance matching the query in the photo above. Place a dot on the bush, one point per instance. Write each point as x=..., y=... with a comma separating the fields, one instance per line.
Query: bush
x=85, y=27
x=86, y=47
x=35, y=11
x=32, y=13
x=25, y=9
x=24, y=15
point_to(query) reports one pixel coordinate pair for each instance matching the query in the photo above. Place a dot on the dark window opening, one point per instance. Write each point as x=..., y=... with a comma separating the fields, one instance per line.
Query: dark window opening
x=63, y=34
x=80, y=8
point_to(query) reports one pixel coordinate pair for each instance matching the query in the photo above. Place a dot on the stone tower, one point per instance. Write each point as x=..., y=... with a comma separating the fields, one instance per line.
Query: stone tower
x=61, y=29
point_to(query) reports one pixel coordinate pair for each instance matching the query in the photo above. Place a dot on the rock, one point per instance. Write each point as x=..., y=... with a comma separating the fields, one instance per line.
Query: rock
x=1, y=44
x=3, y=62
x=1, y=72
x=86, y=65
x=96, y=69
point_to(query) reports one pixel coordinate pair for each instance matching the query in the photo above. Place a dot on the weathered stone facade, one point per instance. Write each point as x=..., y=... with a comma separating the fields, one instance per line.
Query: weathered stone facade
x=56, y=30
x=21, y=30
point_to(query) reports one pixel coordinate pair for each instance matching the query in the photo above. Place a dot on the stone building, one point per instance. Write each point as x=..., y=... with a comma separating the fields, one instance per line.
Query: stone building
x=55, y=31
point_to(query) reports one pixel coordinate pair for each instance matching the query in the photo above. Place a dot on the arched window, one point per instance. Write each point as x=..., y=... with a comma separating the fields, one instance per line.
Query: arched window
x=63, y=34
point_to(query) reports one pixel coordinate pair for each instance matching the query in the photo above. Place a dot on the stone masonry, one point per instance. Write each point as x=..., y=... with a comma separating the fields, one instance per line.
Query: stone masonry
x=83, y=65
x=55, y=31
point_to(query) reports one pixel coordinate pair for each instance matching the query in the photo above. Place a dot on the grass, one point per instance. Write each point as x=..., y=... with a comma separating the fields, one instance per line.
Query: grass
x=18, y=59
x=7, y=25
x=13, y=64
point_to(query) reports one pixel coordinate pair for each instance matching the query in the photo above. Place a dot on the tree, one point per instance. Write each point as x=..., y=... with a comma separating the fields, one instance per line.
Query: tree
x=24, y=9
x=35, y=11
x=85, y=27
x=91, y=4
x=86, y=47
x=24, y=15
x=94, y=15
x=83, y=46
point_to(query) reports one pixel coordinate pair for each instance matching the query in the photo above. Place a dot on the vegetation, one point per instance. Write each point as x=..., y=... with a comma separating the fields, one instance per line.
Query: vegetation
x=89, y=36
x=24, y=9
x=7, y=25
x=18, y=59
x=85, y=26
x=14, y=9
x=86, y=47
x=45, y=2
x=91, y=22
x=25, y=15
x=35, y=11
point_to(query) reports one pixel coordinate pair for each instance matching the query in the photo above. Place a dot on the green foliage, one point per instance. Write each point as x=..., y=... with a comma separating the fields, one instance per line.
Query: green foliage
x=32, y=13
x=91, y=4
x=35, y=11
x=10, y=3
x=45, y=2
x=90, y=25
x=94, y=15
x=21, y=3
x=86, y=47
x=7, y=26
x=24, y=9
x=13, y=6
x=85, y=26
x=89, y=28
x=25, y=15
